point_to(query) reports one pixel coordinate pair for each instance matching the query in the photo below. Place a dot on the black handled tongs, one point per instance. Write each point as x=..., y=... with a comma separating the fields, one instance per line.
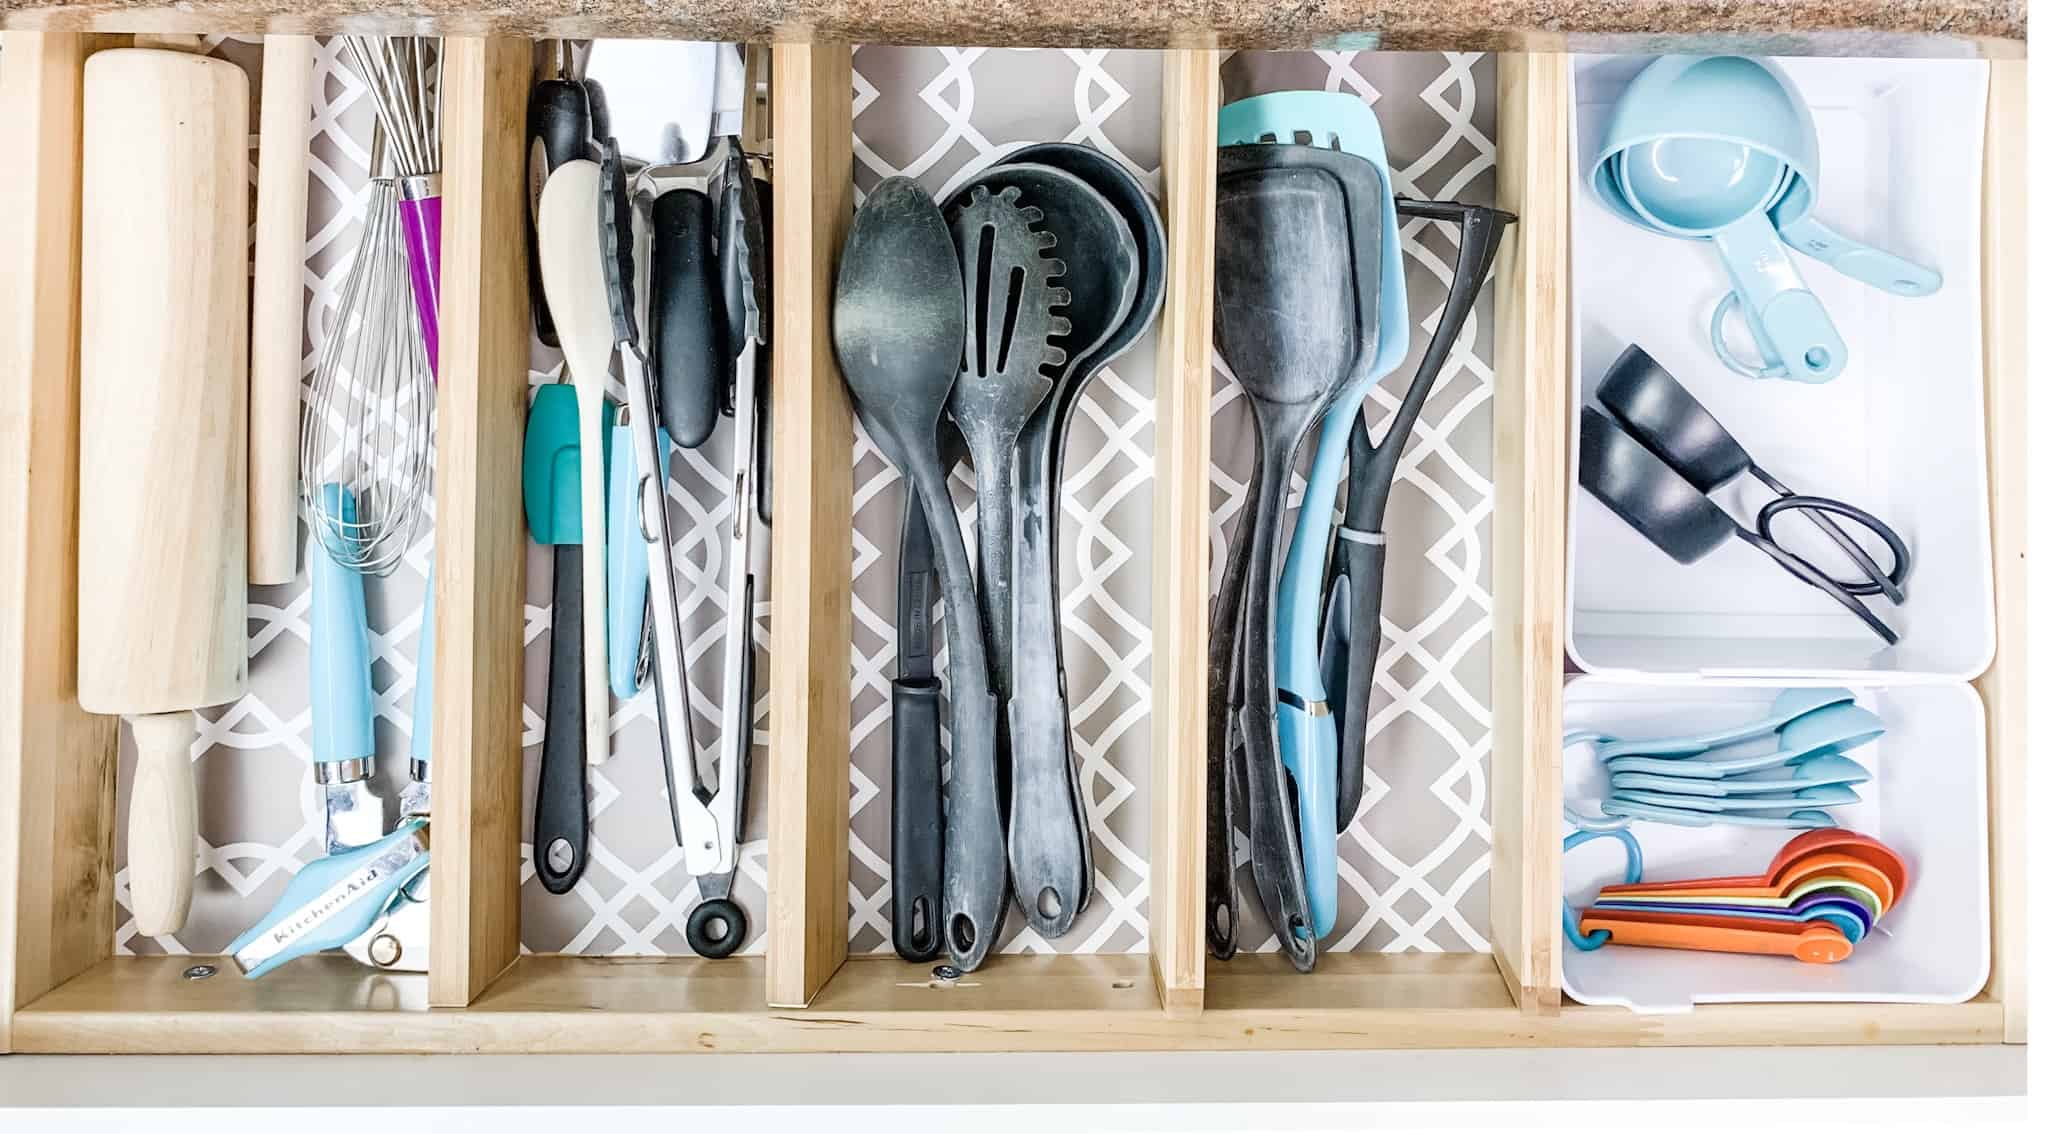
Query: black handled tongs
x=718, y=926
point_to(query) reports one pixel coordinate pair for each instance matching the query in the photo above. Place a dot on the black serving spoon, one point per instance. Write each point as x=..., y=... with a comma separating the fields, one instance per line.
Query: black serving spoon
x=898, y=327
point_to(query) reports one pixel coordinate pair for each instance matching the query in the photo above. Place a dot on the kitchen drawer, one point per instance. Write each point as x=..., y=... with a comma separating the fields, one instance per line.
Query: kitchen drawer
x=66, y=992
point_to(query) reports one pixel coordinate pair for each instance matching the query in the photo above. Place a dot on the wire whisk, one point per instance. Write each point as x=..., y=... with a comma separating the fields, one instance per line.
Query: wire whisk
x=368, y=421
x=402, y=73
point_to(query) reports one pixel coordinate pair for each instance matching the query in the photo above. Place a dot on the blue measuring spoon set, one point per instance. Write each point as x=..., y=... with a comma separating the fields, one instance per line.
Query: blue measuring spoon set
x=1785, y=770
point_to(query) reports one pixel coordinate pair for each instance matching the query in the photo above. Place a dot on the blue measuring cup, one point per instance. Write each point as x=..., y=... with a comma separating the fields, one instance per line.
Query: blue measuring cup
x=1702, y=149
x=1886, y=271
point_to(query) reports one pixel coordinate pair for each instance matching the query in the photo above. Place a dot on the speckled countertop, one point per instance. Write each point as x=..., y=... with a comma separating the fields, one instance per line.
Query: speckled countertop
x=1861, y=27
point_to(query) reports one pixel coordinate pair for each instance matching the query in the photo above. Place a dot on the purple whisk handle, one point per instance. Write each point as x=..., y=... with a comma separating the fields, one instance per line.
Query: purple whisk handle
x=419, y=214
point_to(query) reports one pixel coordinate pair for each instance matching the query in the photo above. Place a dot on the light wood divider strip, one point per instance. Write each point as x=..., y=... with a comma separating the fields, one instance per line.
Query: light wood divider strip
x=1180, y=554
x=1531, y=452
x=480, y=532
x=2004, y=686
x=1069, y=1002
x=811, y=582
x=277, y=302
x=56, y=761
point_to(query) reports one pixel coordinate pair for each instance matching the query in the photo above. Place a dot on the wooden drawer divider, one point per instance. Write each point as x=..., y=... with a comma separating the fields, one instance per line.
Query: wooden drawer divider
x=60, y=990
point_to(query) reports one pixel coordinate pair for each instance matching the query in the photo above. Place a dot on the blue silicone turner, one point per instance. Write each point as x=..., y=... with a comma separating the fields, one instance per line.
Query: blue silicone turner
x=1307, y=734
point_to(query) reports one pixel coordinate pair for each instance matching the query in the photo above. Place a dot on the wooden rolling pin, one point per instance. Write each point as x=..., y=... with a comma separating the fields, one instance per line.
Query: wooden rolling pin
x=163, y=431
x=278, y=305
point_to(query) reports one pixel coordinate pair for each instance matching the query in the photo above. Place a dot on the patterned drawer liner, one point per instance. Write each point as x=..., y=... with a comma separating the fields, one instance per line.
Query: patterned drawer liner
x=1414, y=867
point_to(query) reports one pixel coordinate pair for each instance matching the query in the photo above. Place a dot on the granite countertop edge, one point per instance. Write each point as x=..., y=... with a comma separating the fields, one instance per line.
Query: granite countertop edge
x=1861, y=27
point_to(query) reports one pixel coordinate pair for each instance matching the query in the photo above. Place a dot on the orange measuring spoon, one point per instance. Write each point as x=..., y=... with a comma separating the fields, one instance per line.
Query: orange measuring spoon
x=1790, y=857
x=1812, y=942
x=1804, y=876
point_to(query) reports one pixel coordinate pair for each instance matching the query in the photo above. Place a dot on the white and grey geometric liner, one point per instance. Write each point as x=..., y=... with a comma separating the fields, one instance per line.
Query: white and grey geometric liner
x=1413, y=867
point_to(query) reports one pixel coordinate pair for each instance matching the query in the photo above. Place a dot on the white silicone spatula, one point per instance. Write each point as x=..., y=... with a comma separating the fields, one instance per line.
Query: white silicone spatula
x=572, y=275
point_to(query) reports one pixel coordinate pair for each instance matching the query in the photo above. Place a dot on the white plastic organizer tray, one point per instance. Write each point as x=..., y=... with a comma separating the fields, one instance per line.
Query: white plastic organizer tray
x=1925, y=800
x=1899, y=432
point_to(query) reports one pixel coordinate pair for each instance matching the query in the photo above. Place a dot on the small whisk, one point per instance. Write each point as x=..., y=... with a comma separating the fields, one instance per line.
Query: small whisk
x=368, y=421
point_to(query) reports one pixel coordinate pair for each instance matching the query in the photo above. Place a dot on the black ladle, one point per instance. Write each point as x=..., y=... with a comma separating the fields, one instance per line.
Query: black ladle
x=1351, y=629
x=1044, y=439
x=1285, y=293
x=1686, y=524
x=1050, y=862
x=1660, y=412
x=898, y=325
